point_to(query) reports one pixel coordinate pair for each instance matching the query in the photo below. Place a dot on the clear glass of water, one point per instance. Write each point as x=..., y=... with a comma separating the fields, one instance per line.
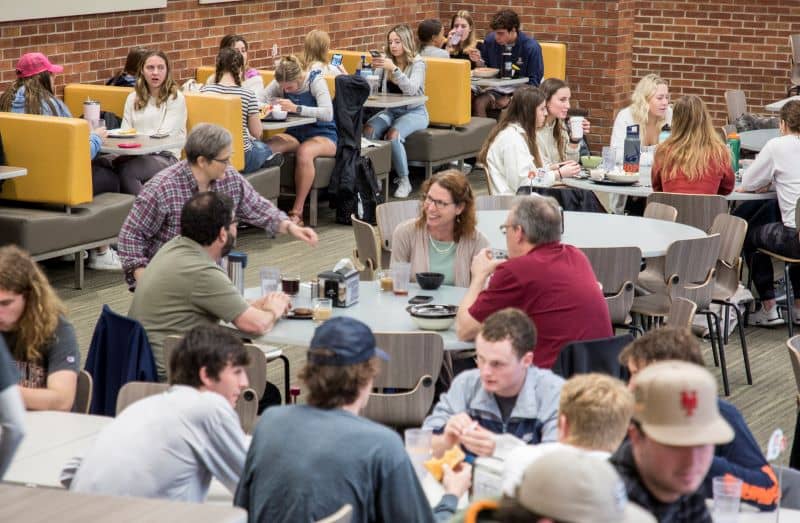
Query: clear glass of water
x=418, y=446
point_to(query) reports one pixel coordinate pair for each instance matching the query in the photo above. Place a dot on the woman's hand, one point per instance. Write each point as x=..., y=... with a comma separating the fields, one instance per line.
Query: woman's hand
x=568, y=169
x=287, y=105
x=383, y=62
x=474, y=55
x=587, y=126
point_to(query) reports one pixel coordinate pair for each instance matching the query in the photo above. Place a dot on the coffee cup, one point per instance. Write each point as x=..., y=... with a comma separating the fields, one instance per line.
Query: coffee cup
x=576, y=128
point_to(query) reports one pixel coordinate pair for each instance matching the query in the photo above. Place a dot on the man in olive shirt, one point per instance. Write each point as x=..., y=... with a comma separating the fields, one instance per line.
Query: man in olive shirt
x=183, y=286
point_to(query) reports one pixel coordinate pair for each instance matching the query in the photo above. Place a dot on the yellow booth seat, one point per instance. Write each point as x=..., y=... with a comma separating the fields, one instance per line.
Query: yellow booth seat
x=204, y=72
x=554, y=55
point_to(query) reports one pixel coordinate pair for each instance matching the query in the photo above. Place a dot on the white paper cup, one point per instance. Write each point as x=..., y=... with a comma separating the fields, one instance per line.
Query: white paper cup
x=576, y=127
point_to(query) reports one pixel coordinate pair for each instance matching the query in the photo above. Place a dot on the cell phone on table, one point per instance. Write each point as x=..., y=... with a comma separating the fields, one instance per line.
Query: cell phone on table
x=419, y=299
x=336, y=60
x=375, y=54
x=159, y=136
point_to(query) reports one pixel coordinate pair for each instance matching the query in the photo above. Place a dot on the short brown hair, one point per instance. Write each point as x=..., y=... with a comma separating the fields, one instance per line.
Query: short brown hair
x=598, y=409
x=790, y=113
x=512, y=324
x=505, y=19
x=209, y=346
x=333, y=386
x=666, y=343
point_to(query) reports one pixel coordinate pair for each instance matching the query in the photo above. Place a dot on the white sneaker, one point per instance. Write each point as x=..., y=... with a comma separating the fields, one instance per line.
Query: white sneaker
x=108, y=261
x=403, y=188
x=765, y=318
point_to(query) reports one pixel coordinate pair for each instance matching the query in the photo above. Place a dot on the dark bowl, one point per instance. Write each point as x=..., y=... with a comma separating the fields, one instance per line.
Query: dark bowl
x=430, y=280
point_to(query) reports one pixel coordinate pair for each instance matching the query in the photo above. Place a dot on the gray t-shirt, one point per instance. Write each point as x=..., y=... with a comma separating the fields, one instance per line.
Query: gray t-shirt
x=182, y=287
x=304, y=463
x=61, y=353
x=166, y=446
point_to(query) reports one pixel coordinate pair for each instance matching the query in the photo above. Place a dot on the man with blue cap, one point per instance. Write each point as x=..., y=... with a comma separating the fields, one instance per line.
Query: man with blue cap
x=307, y=461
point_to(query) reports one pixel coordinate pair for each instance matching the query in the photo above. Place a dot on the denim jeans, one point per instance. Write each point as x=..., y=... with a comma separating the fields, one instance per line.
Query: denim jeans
x=405, y=121
x=256, y=156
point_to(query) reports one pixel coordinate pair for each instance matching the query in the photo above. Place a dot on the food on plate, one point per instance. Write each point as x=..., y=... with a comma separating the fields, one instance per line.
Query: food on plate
x=452, y=458
x=122, y=132
x=302, y=311
x=264, y=110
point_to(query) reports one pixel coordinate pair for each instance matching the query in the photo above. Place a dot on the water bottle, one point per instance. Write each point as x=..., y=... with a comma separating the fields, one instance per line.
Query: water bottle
x=507, y=62
x=366, y=69
x=665, y=132
x=630, y=158
x=236, y=262
x=735, y=145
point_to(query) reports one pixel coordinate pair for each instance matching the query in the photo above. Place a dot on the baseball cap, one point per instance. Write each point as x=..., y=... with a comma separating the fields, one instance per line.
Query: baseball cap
x=570, y=485
x=676, y=404
x=350, y=340
x=31, y=64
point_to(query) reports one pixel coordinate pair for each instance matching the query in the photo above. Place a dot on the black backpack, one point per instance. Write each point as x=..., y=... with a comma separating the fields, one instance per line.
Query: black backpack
x=366, y=198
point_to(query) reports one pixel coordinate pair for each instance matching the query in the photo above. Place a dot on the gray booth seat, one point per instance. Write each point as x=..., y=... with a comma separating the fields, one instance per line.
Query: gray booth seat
x=381, y=156
x=435, y=146
x=51, y=232
x=266, y=182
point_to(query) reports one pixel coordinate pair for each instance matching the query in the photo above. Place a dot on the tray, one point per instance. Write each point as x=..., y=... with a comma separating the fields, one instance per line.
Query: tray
x=615, y=182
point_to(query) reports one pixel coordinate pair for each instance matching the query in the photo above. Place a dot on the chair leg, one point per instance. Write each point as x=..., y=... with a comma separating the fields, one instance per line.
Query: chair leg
x=722, y=364
x=789, y=298
x=743, y=342
x=725, y=331
x=713, y=340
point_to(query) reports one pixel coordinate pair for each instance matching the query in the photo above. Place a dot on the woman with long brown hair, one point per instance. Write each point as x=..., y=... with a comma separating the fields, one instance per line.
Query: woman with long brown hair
x=40, y=338
x=315, y=54
x=553, y=139
x=694, y=159
x=444, y=237
x=461, y=39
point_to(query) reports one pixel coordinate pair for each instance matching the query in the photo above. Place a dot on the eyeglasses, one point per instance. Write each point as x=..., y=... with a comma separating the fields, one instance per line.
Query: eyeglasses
x=506, y=226
x=439, y=204
x=223, y=161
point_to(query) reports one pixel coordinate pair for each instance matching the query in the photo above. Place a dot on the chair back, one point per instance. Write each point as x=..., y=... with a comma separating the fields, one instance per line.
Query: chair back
x=554, y=56
x=391, y=214
x=83, y=393
x=600, y=355
x=690, y=268
x=133, y=391
x=732, y=231
x=111, y=98
x=737, y=104
x=697, y=210
x=793, y=346
x=343, y=515
x=616, y=269
x=416, y=360
x=366, y=253
x=494, y=202
x=681, y=313
x=661, y=211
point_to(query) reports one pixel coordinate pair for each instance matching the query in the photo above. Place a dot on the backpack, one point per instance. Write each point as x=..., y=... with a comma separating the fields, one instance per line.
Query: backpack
x=366, y=198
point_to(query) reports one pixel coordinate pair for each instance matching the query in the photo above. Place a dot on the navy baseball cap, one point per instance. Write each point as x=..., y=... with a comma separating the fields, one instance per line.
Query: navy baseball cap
x=350, y=340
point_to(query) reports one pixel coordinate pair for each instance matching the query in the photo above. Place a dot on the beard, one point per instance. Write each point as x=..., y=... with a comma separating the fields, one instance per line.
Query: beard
x=230, y=243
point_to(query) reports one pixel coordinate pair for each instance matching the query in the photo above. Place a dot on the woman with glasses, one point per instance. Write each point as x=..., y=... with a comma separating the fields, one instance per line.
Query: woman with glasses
x=443, y=238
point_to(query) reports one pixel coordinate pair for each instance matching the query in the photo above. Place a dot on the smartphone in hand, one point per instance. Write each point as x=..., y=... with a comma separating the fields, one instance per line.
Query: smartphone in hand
x=375, y=54
x=336, y=60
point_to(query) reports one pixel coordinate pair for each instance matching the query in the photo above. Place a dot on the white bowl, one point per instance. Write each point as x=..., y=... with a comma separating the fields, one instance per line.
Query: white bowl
x=485, y=72
x=433, y=317
x=277, y=114
x=623, y=177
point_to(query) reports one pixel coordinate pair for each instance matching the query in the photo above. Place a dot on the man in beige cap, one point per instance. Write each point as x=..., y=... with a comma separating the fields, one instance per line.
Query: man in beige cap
x=676, y=423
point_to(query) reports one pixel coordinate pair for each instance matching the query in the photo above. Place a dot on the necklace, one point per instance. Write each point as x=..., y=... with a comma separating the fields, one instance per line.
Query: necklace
x=438, y=249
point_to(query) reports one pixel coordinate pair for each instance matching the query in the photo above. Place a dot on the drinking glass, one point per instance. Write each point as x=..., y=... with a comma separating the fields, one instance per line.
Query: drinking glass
x=402, y=277
x=418, y=446
x=727, y=494
x=290, y=283
x=386, y=279
x=609, y=157
x=270, y=279
x=321, y=309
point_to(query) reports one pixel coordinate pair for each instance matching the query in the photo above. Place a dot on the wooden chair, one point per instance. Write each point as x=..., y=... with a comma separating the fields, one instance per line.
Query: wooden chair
x=737, y=104
x=697, y=210
x=133, y=391
x=366, y=253
x=343, y=515
x=83, y=393
x=660, y=211
x=390, y=215
x=681, y=313
x=494, y=202
x=416, y=360
x=616, y=269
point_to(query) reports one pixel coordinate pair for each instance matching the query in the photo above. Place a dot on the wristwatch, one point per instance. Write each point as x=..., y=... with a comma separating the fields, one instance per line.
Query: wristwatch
x=299, y=110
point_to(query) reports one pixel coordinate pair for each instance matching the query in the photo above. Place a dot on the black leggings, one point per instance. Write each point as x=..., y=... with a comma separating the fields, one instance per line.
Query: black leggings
x=104, y=179
x=135, y=171
x=778, y=238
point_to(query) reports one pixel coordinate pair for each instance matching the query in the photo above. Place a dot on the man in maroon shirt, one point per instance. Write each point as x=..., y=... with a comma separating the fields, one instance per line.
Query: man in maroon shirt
x=552, y=282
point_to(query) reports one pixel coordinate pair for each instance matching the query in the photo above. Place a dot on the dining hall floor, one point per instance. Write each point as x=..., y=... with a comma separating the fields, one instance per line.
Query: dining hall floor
x=767, y=404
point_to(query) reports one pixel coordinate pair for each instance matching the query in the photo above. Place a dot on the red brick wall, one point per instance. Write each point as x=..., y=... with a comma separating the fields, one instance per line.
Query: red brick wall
x=93, y=48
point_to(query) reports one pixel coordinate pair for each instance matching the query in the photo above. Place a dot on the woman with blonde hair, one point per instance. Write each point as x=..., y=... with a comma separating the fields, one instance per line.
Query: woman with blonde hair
x=403, y=72
x=156, y=106
x=444, y=237
x=694, y=159
x=315, y=54
x=304, y=93
x=461, y=39
x=41, y=340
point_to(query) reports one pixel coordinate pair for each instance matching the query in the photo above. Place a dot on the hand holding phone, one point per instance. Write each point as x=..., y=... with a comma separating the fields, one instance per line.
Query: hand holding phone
x=336, y=60
x=376, y=54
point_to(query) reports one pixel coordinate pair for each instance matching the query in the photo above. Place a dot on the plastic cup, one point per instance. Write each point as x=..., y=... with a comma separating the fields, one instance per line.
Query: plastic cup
x=576, y=127
x=270, y=280
x=386, y=280
x=418, y=446
x=374, y=84
x=321, y=309
x=402, y=277
x=727, y=492
x=609, y=157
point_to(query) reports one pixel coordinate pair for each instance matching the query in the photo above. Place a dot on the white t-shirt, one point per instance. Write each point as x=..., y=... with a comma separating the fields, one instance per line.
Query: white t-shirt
x=777, y=163
x=169, y=119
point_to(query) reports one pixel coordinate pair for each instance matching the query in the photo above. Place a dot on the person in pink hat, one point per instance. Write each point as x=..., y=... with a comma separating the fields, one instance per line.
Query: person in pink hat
x=32, y=93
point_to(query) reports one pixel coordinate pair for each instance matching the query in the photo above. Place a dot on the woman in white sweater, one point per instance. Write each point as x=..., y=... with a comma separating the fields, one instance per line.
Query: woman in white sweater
x=552, y=138
x=156, y=106
x=511, y=154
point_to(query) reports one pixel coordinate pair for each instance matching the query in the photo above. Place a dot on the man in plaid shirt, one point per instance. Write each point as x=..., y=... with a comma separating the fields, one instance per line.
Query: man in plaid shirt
x=676, y=423
x=155, y=216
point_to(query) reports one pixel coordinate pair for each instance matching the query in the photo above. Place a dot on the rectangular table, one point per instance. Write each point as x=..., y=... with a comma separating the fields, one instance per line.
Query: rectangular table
x=498, y=82
x=390, y=100
x=291, y=121
x=149, y=145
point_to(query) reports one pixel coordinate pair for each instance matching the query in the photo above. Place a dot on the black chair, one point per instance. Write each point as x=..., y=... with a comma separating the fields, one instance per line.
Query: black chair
x=600, y=355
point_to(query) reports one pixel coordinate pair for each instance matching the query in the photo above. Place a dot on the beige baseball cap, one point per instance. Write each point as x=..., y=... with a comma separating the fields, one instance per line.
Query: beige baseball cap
x=570, y=485
x=676, y=404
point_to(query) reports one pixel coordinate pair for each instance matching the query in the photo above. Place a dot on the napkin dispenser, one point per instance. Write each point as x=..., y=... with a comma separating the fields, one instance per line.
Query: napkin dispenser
x=340, y=284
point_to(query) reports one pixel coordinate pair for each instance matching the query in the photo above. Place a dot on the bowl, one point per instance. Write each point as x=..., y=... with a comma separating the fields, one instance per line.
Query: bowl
x=429, y=280
x=433, y=317
x=591, y=162
x=485, y=72
x=278, y=114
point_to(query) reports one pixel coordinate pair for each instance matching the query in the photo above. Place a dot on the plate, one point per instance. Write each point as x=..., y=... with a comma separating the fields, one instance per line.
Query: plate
x=292, y=315
x=623, y=178
x=485, y=72
x=118, y=133
x=615, y=182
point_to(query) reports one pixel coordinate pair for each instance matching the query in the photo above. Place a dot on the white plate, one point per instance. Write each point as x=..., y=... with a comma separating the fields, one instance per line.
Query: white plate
x=117, y=133
x=622, y=178
x=485, y=72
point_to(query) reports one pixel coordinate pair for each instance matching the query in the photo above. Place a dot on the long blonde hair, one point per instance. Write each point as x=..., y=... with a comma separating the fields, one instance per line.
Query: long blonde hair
x=316, y=48
x=289, y=69
x=37, y=324
x=694, y=144
x=470, y=41
x=640, y=99
x=406, y=36
x=168, y=89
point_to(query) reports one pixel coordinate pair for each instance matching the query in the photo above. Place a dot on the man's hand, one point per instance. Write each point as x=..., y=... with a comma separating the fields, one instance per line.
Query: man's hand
x=306, y=234
x=483, y=264
x=275, y=302
x=458, y=481
x=456, y=426
x=478, y=440
x=137, y=273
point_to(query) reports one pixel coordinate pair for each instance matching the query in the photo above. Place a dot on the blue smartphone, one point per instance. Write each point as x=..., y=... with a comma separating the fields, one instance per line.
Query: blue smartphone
x=336, y=60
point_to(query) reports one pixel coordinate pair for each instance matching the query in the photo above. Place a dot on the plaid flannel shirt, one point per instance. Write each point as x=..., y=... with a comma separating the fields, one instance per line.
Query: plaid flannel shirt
x=156, y=213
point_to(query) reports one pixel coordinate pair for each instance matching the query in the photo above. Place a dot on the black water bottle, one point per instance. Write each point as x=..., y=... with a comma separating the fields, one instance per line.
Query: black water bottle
x=507, y=63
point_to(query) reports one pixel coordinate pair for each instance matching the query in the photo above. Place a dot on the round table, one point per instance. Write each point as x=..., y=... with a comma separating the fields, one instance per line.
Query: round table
x=644, y=191
x=755, y=140
x=583, y=230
